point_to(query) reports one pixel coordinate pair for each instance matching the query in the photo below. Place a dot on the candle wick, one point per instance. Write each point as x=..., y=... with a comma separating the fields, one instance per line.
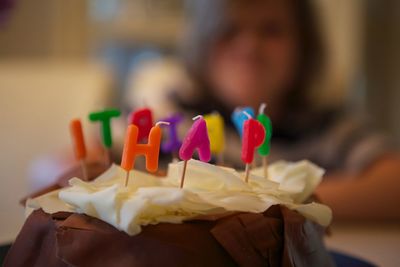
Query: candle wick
x=262, y=108
x=197, y=117
x=162, y=123
x=247, y=114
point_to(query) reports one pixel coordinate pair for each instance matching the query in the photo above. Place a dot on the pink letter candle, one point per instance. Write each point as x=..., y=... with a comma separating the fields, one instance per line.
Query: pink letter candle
x=196, y=138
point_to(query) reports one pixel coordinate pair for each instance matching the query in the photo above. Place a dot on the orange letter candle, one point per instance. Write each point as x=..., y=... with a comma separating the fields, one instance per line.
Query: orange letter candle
x=132, y=149
x=78, y=143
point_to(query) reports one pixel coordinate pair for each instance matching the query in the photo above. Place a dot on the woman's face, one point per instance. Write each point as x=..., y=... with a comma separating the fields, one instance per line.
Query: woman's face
x=254, y=60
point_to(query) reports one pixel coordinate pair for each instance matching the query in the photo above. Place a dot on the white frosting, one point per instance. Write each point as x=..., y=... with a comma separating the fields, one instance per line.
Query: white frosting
x=208, y=190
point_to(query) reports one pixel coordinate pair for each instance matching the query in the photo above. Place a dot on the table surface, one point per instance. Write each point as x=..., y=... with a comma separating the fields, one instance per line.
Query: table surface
x=378, y=243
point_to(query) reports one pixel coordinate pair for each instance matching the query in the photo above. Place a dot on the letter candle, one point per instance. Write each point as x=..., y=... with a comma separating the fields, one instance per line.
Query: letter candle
x=143, y=119
x=104, y=117
x=173, y=144
x=253, y=137
x=196, y=138
x=132, y=149
x=215, y=127
x=239, y=117
x=78, y=143
x=264, y=149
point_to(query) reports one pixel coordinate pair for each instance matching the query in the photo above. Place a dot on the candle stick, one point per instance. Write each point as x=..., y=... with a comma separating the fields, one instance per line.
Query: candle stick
x=183, y=173
x=253, y=137
x=104, y=117
x=107, y=156
x=247, y=173
x=264, y=149
x=195, y=139
x=79, y=145
x=143, y=119
x=150, y=150
x=215, y=128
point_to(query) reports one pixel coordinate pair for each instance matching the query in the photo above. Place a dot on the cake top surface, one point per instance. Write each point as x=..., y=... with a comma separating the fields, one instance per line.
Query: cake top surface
x=210, y=191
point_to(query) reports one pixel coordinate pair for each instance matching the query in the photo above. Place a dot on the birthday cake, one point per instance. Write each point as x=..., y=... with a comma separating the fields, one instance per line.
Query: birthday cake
x=198, y=214
x=217, y=219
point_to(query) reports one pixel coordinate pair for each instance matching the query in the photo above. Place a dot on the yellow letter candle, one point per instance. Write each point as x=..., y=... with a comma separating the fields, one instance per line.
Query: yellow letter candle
x=215, y=126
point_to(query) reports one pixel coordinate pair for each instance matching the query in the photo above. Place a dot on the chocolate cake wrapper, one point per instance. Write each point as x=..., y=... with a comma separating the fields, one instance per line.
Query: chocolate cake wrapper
x=277, y=237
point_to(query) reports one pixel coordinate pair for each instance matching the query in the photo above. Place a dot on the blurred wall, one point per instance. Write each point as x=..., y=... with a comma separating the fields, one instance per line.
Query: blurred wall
x=45, y=80
x=37, y=100
x=341, y=25
x=45, y=29
x=382, y=64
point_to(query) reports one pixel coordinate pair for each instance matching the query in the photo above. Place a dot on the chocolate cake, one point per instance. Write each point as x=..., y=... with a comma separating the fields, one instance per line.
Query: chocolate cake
x=279, y=236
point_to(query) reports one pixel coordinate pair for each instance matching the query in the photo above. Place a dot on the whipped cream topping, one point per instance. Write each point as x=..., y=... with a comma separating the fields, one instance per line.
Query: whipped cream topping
x=209, y=190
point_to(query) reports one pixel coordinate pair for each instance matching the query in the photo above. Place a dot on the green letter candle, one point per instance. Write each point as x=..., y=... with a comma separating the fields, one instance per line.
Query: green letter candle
x=104, y=117
x=265, y=148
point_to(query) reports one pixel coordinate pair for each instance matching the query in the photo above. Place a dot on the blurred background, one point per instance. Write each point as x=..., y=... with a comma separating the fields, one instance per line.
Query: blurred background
x=61, y=59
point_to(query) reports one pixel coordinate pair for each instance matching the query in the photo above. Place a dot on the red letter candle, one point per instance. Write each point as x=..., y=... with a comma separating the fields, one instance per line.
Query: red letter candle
x=253, y=137
x=143, y=119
